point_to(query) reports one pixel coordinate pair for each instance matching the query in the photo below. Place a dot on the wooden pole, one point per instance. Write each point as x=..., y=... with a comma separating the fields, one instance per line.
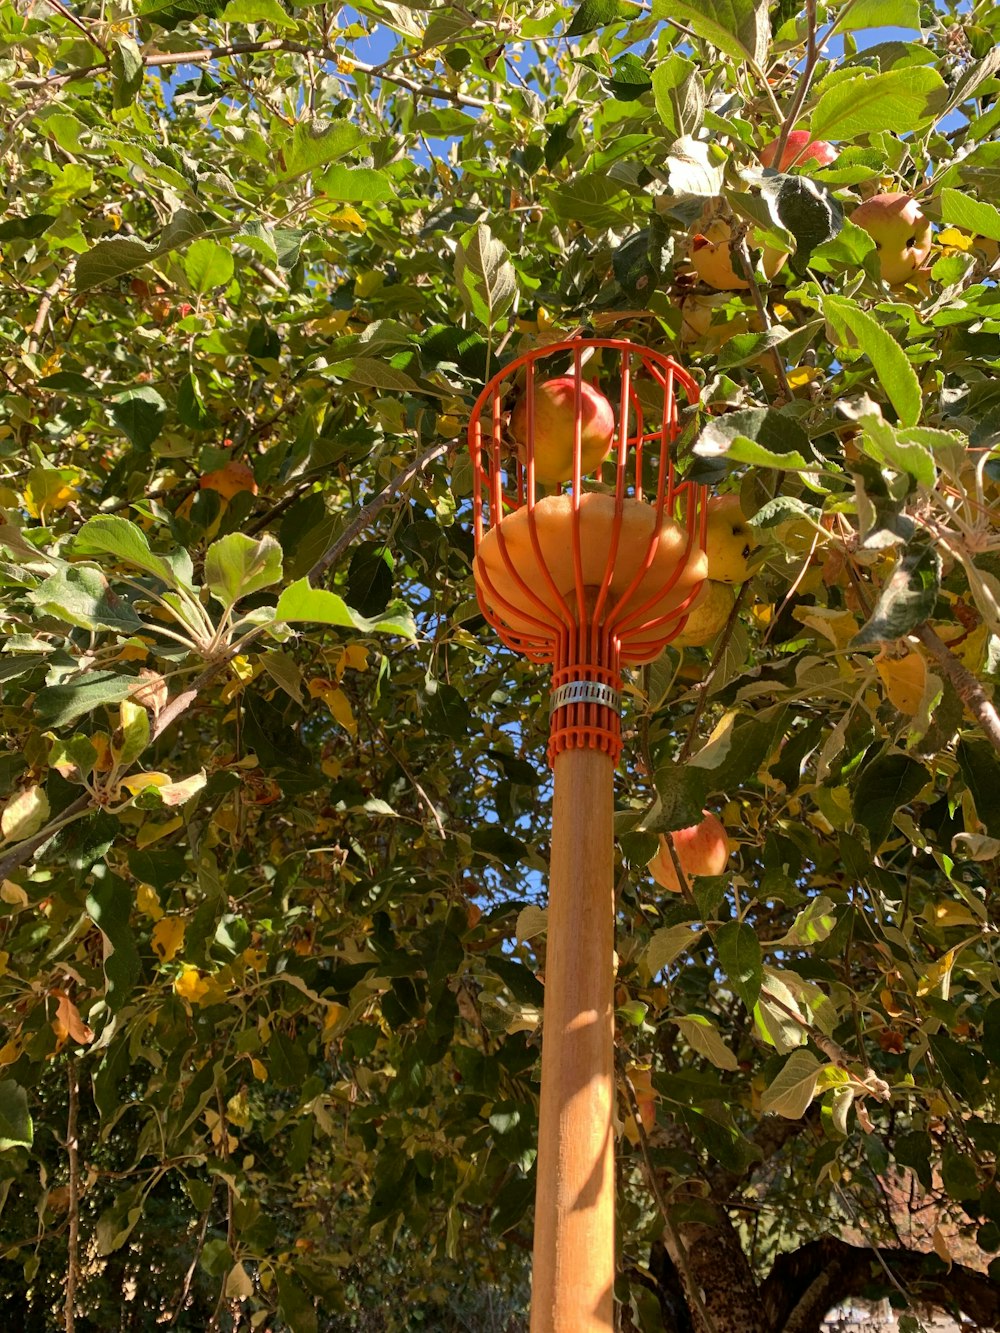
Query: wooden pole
x=574, y=1253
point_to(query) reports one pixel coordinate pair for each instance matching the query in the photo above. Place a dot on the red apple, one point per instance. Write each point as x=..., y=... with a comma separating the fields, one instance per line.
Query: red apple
x=702, y=849
x=799, y=149
x=555, y=402
x=901, y=233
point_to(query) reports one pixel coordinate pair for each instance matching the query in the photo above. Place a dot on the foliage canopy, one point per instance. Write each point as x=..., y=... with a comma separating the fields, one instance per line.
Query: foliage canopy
x=275, y=805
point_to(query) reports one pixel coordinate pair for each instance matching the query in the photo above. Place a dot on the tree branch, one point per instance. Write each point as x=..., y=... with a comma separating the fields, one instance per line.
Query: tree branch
x=365, y=515
x=807, y=1283
x=967, y=687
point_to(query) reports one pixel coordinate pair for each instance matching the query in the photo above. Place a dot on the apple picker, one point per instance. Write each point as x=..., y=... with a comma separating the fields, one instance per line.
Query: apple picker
x=588, y=579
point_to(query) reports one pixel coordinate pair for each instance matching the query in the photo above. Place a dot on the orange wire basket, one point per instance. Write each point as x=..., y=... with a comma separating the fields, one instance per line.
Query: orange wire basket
x=590, y=576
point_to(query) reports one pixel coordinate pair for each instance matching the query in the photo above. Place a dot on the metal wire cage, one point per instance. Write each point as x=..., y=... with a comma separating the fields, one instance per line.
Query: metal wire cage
x=586, y=571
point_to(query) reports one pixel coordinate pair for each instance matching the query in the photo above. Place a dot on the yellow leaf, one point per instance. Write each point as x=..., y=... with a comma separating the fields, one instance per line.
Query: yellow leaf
x=10, y=1051
x=941, y=1246
x=332, y=1018
x=168, y=937
x=337, y=702
x=150, y=833
x=238, y=1109
x=255, y=958
x=140, y=781
x=802, y=375
x=13, y=894
x=148, y=901
x=904, y=679
x=50, y=489
x=354, y=657
x=4, y=960
x=331, y=767
x=938, y=974
x=192, y=986
x=259, y=1070
x=957, y=240
x=244, y=671
x=24, y=815
x=947, y=913
x=346, y=219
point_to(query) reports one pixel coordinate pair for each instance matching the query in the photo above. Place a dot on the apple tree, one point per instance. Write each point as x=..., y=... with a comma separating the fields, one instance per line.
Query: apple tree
x=274, y=799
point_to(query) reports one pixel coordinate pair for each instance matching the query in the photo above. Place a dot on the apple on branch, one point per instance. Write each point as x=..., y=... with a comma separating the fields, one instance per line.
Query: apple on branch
x=730, y=540
x=554, y=428
x=901, y=233
x=800, y=148
x=712, y=259
x=701, y=849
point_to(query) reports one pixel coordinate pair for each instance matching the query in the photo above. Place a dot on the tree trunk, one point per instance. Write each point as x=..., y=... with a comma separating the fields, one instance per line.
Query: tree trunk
x=726, y=1298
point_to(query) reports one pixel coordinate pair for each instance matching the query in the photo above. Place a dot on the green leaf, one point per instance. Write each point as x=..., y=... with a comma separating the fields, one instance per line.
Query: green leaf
x=761, y=436
x=294, y=1306
x=981, y=770
x=109, y=535
x=879, y=14
x=16, y=1129
x=912, y=97
x=83, y=597
x=485, y=275
x=597, y=13
x=901, y=451
x=60, y=705
x=356, y=185
x=679, y=94
x=668, y=944
x=302, y=602
x=109, y=259
x=806, y=209
x=257, y=11
x=894, y=371
x=791, y=1092
x=962, y=1071
x=315, y=143
x=139, y=414
x=237, y=565
x=908, y=597
x=740, y=28
x=812, y=925
x=109, y=905
x=981, y=218
x=26, y=228
x=702, y=1036
x=739, y=952
x=126, y=71
x=887, y=783
x=208, y=264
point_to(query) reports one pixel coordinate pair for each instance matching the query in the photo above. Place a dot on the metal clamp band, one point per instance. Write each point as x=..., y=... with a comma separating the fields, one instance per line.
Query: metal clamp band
x=585, y=692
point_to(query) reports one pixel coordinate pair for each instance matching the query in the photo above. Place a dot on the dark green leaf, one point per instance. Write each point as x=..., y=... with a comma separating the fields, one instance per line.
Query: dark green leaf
x=596, y=13
x=981, y=770
x=886, y=784
x=907, y=599
x=740, y=958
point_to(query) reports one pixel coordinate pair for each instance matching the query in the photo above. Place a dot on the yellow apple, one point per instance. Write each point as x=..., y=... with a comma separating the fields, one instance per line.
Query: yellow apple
x=702, y=849
x=901, y=233
x=707, y=616
x=712, y=259
x=554, y=430
x=730, y=540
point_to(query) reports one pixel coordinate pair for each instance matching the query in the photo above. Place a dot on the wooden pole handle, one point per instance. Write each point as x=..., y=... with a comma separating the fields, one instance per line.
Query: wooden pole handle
x=574, y=1252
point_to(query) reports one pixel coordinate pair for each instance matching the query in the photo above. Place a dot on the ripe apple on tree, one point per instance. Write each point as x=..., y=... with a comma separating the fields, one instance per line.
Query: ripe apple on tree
x=901, y=233
x=554, y=428
x=730, y=540
x=707, y=616
x=702, y=849
x=712, y=258
x=799, y=149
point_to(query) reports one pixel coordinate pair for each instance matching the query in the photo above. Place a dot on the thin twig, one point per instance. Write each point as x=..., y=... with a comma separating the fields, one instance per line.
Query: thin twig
x=35, y=337
x=802, y=88
x=738, y=245
x=206, y=54
x=690, y=1282
x=73, y=1212
x=365, y=515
